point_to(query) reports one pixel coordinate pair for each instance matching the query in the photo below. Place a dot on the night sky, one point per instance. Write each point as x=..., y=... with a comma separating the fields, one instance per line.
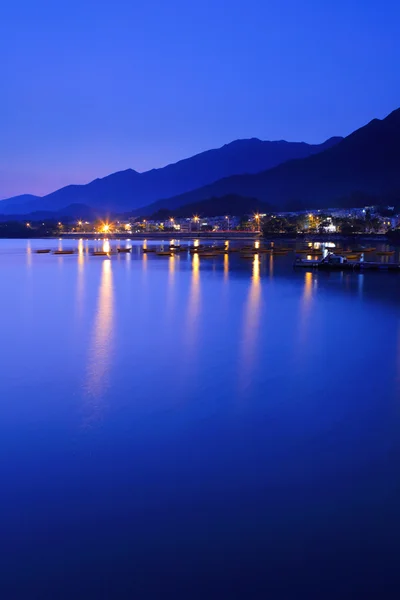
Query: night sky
x=88, y=88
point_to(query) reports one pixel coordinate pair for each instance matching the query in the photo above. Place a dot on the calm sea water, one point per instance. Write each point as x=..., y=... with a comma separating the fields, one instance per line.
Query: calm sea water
x=196, y=428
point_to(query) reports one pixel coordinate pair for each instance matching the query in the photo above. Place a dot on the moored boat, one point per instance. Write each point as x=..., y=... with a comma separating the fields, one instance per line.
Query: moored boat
x=334, y=262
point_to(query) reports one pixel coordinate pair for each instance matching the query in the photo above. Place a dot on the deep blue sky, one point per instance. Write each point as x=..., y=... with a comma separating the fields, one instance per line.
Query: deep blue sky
x=88, y=88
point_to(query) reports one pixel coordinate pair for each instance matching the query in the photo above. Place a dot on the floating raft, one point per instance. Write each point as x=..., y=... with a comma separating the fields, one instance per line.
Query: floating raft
x=349, y=266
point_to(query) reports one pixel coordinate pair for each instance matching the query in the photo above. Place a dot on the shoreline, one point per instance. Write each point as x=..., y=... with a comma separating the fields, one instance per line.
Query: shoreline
x=225, y=235
x=208, y=235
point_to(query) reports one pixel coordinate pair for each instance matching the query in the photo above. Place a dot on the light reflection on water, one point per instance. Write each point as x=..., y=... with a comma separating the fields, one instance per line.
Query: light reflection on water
x=101, y=346
x=28, y=254
x=305, y=309
x=80, y=286
x=226, y=266
x=193, y=306
x=169, y=302
x=251, y=326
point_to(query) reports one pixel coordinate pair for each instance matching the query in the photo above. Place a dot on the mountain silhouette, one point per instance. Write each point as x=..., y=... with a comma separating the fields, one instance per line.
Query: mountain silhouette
x=129, y=190
x=364, y=164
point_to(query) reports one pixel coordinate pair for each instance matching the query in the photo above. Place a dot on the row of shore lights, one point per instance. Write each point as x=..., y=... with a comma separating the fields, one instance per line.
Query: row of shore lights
x=196, y=219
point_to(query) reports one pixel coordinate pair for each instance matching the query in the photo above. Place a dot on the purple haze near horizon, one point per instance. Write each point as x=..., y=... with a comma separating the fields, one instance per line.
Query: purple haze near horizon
x=91, y=88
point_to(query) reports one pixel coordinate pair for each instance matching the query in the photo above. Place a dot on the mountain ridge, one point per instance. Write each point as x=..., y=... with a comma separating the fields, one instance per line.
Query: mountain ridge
x=128, y=190
x=366, y=161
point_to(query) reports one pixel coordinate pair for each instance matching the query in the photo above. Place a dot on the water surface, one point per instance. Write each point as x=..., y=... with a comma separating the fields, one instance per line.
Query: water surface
x=184, y=427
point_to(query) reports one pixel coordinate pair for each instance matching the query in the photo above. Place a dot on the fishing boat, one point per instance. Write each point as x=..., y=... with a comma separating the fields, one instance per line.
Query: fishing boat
x=164, y=253
x=64, y=252
x=100, y=253
x=385, y=253
x=147, y=250
x=334, y=262
x=44, y=251
x=124, y=250
x=353, y=256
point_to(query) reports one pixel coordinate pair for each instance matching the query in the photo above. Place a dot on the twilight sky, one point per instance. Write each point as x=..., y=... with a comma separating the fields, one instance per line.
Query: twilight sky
x=92, y=87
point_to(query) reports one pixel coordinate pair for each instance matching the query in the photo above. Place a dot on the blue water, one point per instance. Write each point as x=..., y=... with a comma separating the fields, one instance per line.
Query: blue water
x=196, y=428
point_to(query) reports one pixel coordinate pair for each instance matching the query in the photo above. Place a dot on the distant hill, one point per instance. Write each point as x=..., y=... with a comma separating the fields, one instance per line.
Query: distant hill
x=24, y=199
x=226, y=205
x=129, y=190
x=69, y=213
x=364, y=164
